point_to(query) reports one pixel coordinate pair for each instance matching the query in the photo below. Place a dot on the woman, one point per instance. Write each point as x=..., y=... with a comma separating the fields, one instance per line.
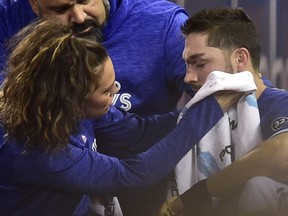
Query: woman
x=56, y=86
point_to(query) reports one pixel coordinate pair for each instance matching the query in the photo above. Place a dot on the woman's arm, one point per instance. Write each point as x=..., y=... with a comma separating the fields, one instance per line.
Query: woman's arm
x=85, y=171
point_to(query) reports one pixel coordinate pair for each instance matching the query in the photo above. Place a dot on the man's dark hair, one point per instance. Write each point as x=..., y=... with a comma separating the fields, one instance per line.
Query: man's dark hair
x=227, y=29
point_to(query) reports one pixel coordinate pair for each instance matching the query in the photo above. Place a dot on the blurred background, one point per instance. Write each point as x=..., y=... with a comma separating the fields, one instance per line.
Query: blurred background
x=271, y=19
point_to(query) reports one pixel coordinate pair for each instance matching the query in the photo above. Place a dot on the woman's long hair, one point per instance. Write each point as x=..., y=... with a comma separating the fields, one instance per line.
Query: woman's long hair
x=50, y=74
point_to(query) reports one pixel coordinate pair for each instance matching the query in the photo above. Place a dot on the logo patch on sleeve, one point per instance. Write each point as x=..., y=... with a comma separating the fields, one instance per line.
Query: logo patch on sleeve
x=278, y=123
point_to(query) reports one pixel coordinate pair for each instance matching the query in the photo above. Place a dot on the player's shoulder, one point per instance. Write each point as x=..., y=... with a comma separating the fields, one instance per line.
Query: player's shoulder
x=273, y=109
x=272, y=98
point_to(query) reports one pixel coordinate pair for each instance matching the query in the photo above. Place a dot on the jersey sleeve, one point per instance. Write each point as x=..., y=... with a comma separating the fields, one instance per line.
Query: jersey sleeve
x=273, y=105
x=121, y=134
x=84, y=171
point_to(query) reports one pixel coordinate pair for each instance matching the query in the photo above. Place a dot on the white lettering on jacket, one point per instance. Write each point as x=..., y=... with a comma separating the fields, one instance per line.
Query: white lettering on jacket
x=122, y=99
x=94, y=145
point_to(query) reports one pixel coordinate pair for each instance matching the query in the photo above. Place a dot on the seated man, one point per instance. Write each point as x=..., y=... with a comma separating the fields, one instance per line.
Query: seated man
x=253, y=184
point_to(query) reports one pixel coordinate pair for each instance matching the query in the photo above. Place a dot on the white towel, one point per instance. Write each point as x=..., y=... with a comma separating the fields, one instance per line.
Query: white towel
x=237, y=132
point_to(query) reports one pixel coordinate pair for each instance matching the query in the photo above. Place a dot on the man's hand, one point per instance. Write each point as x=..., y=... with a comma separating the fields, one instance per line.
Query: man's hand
x=227, y=99
x=171, y=207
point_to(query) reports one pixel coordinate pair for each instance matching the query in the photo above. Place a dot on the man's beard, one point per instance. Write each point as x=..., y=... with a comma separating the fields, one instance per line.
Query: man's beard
x=95, y=29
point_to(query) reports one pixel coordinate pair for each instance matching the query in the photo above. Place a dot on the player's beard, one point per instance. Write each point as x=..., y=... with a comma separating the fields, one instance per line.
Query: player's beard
x=95, y=29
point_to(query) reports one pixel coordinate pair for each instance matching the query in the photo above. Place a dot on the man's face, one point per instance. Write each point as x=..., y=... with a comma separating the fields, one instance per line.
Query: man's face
x=87, y=17
x=202, y=59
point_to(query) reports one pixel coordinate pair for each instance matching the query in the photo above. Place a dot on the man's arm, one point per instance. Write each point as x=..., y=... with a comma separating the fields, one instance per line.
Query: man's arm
x=122, y=134
x=3, y=37
x=87, y=171
x=268, y=159
x=14, y=15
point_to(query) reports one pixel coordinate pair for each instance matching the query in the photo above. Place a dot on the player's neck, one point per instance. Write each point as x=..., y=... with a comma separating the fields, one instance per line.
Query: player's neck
x=260, y=86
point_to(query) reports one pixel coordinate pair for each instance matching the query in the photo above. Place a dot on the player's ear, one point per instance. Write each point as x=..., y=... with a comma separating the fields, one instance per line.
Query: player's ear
x=35, y=6
x=242, y=58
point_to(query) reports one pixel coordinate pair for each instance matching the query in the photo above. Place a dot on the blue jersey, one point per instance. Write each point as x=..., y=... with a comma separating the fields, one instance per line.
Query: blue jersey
x=41, y=183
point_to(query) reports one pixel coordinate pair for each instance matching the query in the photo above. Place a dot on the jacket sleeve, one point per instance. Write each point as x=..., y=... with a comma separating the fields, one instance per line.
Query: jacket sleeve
x=14, y=15
x=84, y=171
x=3, y=36
x=121, y=134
